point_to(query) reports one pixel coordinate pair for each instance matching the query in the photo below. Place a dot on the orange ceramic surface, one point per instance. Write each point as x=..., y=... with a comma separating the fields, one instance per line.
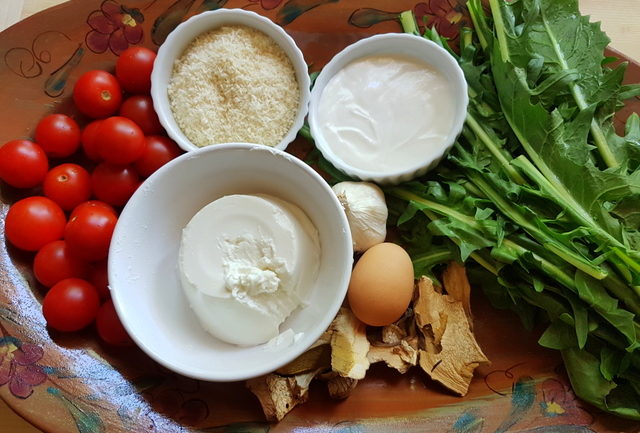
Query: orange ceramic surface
x=72, y=383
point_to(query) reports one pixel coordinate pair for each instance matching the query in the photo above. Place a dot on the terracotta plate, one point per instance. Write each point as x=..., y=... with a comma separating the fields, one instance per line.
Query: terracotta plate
x=67, y=383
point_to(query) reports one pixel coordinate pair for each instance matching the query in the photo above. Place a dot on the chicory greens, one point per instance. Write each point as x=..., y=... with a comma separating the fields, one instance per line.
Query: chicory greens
x=540, y=191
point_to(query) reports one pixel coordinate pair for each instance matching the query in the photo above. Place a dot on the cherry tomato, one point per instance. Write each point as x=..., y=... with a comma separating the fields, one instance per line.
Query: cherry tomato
x=97, y=94
x=99, y=277
x=88, y=233
x=70, y=305
x=68, y=185
x=119, y=140
x=133, y=69
x=110, y=328
x=114, y=184
x=139, y=108
x=158, y=151
x=33, y=222
x=88, y=140
x=23, y=164
x=58, y=135
x=92, y=204
x=54, y=263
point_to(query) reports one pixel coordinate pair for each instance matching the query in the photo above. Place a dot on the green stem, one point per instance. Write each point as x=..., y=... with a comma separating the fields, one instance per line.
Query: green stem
x=501, y=34
x=433, y=257
x=408, y=22
x=479, y=23
x=545, y=240
x=598, y=136
x=493, y=149
x=305, y=132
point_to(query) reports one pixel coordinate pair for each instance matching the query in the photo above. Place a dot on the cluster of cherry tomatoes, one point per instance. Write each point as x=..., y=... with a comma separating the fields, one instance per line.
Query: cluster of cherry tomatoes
x=80, y=178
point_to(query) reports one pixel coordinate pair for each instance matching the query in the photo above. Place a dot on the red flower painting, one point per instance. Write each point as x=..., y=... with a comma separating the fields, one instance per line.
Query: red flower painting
x=441, y=14
x=18, y=367
x=559, y=401
x=114, y=27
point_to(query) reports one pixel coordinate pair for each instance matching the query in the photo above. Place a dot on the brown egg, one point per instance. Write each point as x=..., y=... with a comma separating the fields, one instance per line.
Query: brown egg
x=381, y=285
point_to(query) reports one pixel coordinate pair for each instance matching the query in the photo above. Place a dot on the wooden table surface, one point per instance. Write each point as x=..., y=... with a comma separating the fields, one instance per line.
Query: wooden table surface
x=620, y=19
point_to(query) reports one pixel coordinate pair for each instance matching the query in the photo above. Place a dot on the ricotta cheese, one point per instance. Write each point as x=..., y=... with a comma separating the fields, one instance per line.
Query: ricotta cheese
x=385, y=112
x=245, y=264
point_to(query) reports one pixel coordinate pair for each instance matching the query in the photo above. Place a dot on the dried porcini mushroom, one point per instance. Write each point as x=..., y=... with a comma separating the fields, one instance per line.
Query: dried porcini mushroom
x=435, y=333
x=451, y=353
x=349, y=345
x=456, y=284
x=340, y=387
x=401, y=356
x=279, y=394
x=318, y=357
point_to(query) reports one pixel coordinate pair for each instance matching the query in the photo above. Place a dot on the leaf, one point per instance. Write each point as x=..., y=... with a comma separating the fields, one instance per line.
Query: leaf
x=558, y=336
x=594, y=294
x=586, y=379
x=610, y=362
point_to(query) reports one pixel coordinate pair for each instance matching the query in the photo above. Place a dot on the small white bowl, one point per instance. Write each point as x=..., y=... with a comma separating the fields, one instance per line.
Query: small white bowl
x=181, y=37
x=396, y=44
x=143, y=258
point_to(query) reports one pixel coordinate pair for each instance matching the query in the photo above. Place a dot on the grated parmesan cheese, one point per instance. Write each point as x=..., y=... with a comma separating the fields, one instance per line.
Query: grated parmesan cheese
x=234, y=84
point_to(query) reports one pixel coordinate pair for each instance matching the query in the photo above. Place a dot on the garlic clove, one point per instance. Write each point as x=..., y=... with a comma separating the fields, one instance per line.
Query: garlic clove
x=366, y=210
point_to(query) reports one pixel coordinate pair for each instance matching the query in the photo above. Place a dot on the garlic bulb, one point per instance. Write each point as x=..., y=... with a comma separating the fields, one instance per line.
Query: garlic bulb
x=366, y=212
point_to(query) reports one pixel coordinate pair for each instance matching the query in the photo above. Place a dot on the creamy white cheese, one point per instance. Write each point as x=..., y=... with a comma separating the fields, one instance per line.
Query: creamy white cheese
x=385, y=112
x=245, y=263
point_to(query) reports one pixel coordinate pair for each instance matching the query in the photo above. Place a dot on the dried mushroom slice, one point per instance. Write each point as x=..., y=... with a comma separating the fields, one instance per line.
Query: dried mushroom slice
x=340, y=387
x=401, y=356
x=278, y=395
x=393, y=334
x=451, y=353
x=456, y=284
x=316, y=358
x=349, y=346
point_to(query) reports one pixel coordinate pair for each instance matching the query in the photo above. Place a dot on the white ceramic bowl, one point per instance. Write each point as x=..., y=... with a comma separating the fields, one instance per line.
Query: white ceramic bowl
x=183, y=34
x=143, y=258
x=401, y=44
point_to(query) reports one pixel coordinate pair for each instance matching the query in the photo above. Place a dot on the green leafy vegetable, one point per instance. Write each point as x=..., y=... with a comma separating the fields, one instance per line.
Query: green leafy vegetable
x=540, y=195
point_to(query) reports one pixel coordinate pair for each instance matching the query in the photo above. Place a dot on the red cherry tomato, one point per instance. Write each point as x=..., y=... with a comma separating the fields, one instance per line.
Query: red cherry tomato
x=99, y=277
x=133, y=69
x=158, y=151
x=33, y=222
x=70, y=305
x=23, y=164
x=110, y=328
x=58, y=135
x=92, y=204
x=119, y=140
x=139, y=108
x=114, y=184
x=97, y=94
x=88, y=140
x=88, y=233
x=54, y=263
x=68, y=185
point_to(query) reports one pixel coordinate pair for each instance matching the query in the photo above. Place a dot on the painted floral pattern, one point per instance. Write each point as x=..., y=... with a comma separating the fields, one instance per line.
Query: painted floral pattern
x=114, y=27
x=18, y=366
x=444, y=15
x=559, y=401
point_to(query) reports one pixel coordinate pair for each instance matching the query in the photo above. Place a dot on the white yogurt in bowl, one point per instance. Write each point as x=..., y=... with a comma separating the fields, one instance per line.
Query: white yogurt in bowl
x=388, y=107
x=380, y=111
